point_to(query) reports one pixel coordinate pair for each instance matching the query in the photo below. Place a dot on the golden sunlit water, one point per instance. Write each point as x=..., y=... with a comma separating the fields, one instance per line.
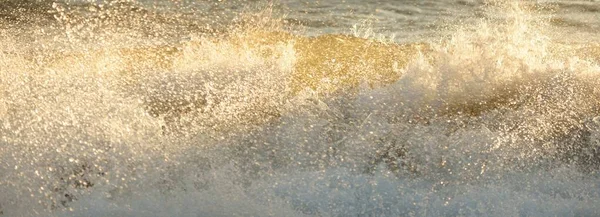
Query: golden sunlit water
x=299, y=108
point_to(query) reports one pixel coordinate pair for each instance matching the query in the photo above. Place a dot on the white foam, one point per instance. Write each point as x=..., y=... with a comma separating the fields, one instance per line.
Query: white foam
x=392, y=151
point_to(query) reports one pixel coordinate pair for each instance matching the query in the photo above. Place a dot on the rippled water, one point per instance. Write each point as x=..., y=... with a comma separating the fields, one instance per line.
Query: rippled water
x=287, y=108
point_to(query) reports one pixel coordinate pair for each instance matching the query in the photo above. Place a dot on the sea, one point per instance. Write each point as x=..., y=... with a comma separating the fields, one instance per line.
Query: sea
x=204, y=108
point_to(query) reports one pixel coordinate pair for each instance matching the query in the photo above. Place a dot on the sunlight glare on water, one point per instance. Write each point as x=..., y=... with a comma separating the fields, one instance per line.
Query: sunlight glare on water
x=291, y=108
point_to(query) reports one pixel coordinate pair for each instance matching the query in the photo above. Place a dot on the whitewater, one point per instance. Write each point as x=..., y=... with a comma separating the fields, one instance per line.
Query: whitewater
x=291, y=108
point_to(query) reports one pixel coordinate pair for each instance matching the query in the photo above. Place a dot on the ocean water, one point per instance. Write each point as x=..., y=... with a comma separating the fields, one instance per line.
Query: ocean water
x=299, y=108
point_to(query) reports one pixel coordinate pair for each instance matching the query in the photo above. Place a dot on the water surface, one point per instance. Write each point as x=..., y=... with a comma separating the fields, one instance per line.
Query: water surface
x=291, y=108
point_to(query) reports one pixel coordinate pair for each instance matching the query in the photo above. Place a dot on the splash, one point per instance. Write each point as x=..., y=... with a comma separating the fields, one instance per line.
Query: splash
x=114, y=108
x=503, y=79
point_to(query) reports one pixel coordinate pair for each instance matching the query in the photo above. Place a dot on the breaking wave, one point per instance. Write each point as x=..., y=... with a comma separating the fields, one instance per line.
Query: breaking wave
x=114, y=108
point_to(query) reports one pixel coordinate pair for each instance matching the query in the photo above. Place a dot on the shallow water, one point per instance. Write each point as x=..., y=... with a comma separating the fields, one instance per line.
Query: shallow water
x=330, y=108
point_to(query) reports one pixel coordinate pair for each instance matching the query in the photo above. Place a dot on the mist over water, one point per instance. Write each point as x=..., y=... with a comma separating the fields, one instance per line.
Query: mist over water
x=194, y=108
